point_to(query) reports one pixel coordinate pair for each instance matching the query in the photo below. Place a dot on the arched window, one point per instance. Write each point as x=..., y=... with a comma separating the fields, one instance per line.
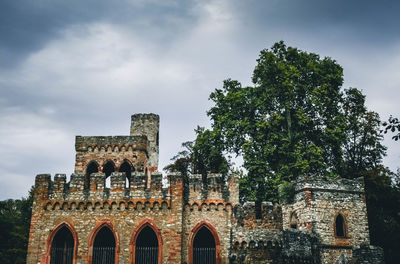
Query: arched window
x=104, y=247
x=62, y=247
x=108, y=168
x=294, y=220
x=127, y=168
x=205, y=245
x=146, y=251
x=92, y=167
x=340, y=227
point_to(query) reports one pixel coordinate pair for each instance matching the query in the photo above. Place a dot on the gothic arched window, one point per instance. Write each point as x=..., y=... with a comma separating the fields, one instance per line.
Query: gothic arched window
x=104, y=247
x=62, y=247
x=92, y=167
x=340, y=227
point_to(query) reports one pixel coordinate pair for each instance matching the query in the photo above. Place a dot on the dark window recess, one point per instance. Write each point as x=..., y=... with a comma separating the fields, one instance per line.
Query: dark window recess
x=146, y=251
x=204, y=247
x=127, y=168
x=92, y=167
x=108, y=168
x=62, y=248
x=104, y=247
x=340, y=228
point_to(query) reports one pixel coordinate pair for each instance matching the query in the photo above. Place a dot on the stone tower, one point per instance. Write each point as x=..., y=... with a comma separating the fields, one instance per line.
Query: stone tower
x=149, y=125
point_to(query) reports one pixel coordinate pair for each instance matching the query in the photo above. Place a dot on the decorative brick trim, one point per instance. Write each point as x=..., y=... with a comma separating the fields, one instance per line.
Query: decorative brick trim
x=216, y=239
x=132, y=244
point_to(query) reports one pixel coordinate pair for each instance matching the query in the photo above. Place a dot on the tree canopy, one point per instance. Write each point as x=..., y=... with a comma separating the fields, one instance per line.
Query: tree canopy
x=295, y=120
x=15, y=218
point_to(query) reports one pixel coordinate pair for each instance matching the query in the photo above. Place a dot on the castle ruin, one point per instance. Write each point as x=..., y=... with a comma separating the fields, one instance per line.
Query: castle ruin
x=138, y=219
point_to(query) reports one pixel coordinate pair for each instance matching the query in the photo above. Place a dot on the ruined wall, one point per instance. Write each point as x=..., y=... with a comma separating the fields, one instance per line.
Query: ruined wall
x=256, y=240
x=209, y=203
x=123, y=209
x=317, y=203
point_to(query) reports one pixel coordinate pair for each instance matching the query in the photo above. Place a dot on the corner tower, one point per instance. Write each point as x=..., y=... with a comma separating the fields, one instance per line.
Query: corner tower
x=148, y=125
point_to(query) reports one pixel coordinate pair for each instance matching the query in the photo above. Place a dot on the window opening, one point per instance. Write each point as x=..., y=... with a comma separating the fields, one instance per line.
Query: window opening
x=339, y=224
x=127, y=168
x=92, y=167
x=108, y=169
x=146, y=251
x=294, y=221
x=104, y=247
x=62, y=247
x=204, y=247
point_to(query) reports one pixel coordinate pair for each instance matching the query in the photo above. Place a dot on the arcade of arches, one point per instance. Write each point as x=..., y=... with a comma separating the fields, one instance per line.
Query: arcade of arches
x=146, y=244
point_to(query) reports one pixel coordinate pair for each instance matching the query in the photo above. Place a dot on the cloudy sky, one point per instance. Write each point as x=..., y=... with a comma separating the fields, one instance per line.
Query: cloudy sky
x=83, y=67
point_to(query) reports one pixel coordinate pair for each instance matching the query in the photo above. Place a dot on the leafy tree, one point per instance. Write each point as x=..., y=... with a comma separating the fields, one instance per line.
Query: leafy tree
x=203, y=155
x=362, y=149
x=15, y=216
x=295, y=120
x=392, y=125
x=289, y=123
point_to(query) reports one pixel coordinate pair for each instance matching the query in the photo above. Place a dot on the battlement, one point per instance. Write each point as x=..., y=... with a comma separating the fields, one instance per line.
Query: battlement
x=271, y=216
x=137, y=188
x=326, y=183
x=217, y=187
x=323, y=188
x=110, y=143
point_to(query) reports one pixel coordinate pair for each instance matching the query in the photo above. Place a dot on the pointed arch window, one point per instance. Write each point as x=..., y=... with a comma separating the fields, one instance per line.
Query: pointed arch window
x=104, y=247
x=127, y=168
x=146, y=244
x=108, y=168
x=62, y=247
x=294, y=220
x=205, y=245
x=146, y=251
x=92, y=167
x=340, y=226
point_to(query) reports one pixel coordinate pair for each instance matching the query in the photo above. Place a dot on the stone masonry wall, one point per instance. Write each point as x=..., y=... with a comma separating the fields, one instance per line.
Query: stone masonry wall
x=148, y=124
x=123, y=213
x=317, y=203
x=116, y=149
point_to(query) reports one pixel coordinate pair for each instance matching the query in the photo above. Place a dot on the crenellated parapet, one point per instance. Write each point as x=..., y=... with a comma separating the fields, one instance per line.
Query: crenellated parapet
x=246, y=216
x=315, y=187
x=215, y=187
x=140, y=187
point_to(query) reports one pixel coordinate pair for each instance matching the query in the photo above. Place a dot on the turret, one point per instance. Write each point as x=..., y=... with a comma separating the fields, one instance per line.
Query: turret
x=148, y=125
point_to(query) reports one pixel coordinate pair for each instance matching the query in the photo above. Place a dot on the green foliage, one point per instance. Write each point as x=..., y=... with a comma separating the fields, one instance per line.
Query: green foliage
x=362, y=149
x=203, y=155
x=15, y=216
x=392, y=125
x=383, y=203
x=286, y=192
x=295, y=120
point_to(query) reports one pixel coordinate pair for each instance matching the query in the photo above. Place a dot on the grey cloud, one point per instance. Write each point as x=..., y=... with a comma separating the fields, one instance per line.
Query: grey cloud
x=83, y=67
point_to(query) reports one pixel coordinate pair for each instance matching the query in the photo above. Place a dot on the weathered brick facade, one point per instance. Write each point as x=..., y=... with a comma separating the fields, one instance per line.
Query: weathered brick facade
x=304, y=231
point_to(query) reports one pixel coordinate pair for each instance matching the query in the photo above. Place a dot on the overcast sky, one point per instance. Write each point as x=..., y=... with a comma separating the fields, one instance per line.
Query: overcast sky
x=84, y=67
